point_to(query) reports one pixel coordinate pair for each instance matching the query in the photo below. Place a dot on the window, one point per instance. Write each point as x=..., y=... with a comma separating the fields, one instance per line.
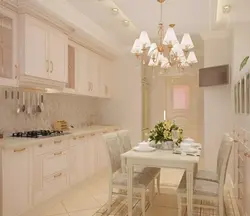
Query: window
x=180, y=97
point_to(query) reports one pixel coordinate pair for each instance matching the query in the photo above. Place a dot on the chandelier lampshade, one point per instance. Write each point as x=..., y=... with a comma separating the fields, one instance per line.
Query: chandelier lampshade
x=144, y=39
x=168, y=52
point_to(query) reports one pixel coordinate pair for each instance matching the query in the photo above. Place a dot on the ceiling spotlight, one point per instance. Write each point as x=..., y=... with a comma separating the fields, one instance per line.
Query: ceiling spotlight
x=115, y=10
x=126, y=22
x=226, y=8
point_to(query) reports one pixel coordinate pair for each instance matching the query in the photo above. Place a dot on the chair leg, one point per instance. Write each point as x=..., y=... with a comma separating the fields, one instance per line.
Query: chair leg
x=158, y=183
x=143, y=202
x=221, y=207
x=152, y=192
x=179, y=205
x=110, y=197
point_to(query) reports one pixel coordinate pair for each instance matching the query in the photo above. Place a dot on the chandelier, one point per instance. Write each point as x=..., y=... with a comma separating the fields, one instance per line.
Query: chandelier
x=168, y=53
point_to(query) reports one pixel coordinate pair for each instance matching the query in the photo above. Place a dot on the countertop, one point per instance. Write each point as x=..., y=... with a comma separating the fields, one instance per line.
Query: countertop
x=15, y=142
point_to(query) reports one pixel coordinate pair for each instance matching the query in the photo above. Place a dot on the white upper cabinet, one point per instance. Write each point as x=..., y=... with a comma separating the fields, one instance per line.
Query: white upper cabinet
x=8, y=48
x=43, y=50
x=87, y=70
x=105, y=72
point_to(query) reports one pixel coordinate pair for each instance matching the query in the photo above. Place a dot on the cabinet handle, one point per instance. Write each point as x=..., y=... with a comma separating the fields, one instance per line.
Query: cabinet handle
x=92, y=86
x=57, y=175
x=51, y=64
x=81, y=137
x=57, y=141
x=92, y=134
x=74, y=138
x=19, y=150
x=58, y=153
x=47, y=65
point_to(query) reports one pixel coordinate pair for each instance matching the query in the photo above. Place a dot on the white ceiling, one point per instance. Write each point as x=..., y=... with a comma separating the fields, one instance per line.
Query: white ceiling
x=193, y=16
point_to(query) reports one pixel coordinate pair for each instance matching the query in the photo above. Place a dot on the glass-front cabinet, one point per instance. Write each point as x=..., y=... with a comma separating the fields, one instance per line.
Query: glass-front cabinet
x=8, y=46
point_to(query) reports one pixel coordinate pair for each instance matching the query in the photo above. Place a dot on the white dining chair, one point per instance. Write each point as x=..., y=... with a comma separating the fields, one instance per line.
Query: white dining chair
x=208, y=191
x=125, y=142
x=118, y=180
x=211, y=175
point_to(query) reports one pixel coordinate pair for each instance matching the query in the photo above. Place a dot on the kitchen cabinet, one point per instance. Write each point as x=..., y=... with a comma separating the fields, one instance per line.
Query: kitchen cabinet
x=77, y=159
x=51, y=169
x=87, y=72
x=8, y=48
x=16, y=185
x=43, y=51
x=70, y=85
x=105, y=76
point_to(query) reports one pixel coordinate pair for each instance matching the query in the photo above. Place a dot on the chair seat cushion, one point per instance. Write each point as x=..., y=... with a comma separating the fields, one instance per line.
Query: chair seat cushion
x=140, y=180
x=207, y=175
x=201, y=187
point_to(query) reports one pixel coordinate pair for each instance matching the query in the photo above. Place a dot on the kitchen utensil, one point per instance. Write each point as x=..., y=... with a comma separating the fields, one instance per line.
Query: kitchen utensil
x=18, y=110
x=29, y=109
x=23, y=106
x=61, y=125
x=41, y=104
x=38, y=108
x=5, y=94
x=34, y=106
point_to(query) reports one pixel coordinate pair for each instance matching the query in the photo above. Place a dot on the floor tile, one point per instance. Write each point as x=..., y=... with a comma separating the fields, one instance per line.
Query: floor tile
x=161, y=211
x=80, y=200
x=57, y=209
x=89, y=212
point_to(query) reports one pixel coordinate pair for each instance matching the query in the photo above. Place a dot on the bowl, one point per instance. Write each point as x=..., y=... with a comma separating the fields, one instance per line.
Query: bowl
x=188, y=140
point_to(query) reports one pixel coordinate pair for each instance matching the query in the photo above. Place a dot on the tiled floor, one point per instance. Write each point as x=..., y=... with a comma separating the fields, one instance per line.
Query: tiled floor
x=91, y=197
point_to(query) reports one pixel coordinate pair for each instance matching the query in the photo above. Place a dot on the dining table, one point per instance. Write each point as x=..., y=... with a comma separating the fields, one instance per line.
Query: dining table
x=161, y=159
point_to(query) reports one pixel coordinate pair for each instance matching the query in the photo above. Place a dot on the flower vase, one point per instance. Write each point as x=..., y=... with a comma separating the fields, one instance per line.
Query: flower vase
x=168, y=145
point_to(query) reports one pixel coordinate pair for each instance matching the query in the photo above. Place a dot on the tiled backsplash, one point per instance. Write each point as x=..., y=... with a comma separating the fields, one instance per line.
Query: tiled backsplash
x=76, y=110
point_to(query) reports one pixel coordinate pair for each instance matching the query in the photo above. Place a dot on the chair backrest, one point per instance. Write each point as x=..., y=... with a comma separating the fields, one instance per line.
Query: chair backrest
x=114, y=151
x=125, y=141
x=220, y=152
x=224, y=163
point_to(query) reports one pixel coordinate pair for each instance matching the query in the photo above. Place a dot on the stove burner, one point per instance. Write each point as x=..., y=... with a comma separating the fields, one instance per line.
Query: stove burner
x=38, y=133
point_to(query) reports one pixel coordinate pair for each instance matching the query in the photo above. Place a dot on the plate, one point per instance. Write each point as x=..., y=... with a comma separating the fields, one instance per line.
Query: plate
x=190, y=150
x=196, y=145
x=148, y=149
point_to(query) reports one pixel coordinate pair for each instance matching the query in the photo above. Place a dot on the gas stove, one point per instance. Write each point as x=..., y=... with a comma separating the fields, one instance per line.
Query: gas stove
x=38, y=134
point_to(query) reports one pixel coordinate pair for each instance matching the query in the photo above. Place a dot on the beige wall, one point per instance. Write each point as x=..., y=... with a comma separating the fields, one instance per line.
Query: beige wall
x=217, y=101
x=124, y=108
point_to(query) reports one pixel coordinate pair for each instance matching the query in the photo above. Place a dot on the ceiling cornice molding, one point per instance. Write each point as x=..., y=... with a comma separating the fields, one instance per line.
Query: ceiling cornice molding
x=215, y=35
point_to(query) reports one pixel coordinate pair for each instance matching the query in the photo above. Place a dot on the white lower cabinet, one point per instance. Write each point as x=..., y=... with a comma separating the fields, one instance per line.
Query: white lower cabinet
x=16, y=181
x=34, y=174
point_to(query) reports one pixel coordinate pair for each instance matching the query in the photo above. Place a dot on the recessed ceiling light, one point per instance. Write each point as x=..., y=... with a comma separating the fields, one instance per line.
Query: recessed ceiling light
x=226, y=8
x=115, y=10
x=126, y=22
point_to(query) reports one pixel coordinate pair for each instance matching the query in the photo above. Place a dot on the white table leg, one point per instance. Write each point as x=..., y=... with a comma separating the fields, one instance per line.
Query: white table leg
x=130, y=188
x=123, y=163
x=190, y=180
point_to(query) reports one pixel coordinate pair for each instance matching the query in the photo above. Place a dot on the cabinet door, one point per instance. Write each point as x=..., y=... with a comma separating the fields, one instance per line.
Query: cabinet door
x=8, y=47
x=58, y=56
x=82, y=68
x=93, y=73
x=105, y=78
x=36, y=58
x=77, y=160
x=16, y=181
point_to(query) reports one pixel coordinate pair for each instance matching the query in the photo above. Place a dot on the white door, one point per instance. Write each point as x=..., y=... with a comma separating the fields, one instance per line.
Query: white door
x=16, y=181
x=58, y=56
x=36, y=58
x=184, y=104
